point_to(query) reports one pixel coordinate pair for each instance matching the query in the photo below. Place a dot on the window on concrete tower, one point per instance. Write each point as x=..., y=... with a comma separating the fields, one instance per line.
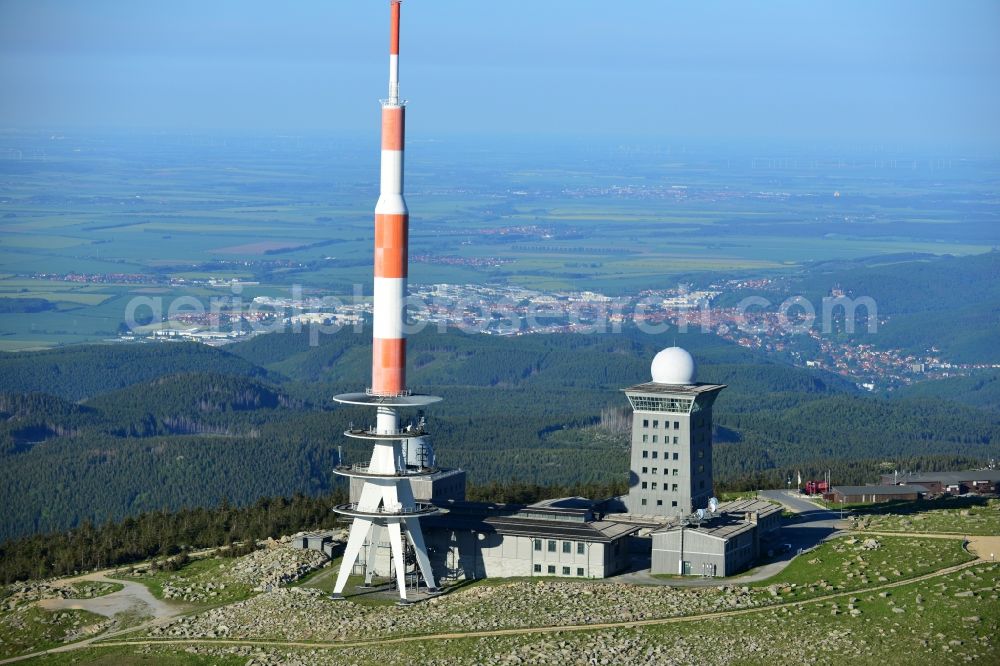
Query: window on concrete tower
x=567, y=547
x=538, y=544
x=644, y=501
x=656, y=424
x=579, y=548
x=538, y=568
x=552, y=569
x=579, y=571
x=676, y=455
x=552, y=546
x=645, y=454
x=645, y=438
x=677, y=425
x=643, y=485
x=654, y=439
x=565, y=571
x=645, y=423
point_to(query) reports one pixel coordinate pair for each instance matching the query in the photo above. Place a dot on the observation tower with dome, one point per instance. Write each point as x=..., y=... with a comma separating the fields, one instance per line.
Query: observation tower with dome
x=671, y=465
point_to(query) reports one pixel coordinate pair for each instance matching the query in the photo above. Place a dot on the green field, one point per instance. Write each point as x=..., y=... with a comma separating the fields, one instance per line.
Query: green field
x=948, y=516
x=240, y=211
x=30, y=629
x=845, y=564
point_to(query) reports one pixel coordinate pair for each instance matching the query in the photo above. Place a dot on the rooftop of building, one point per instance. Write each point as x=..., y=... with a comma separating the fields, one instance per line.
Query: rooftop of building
x=653, y=387
x=565, y=503
x=316, y=534
x=729, y=520
x=879, y=490
x=761, y=507
x=721, y=526
x=947, y=477
x=568, y=518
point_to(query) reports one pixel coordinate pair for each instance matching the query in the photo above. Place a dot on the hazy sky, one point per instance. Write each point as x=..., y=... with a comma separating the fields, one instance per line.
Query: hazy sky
x=896, y=71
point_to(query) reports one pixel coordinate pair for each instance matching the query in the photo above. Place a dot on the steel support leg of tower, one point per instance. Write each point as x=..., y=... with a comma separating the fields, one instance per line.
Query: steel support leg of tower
x=371, y=554
x=420, y=549
x=396, y=543
x=359, y=532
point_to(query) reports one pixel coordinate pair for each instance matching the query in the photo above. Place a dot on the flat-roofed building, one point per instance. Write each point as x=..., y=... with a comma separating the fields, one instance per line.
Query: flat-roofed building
x=875, y=494
x=981, y=481
x=563, y=537
x=723, y=545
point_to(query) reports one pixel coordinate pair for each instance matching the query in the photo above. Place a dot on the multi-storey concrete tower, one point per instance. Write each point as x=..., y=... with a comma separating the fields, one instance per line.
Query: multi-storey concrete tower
x=671, y=472
x=386, y=502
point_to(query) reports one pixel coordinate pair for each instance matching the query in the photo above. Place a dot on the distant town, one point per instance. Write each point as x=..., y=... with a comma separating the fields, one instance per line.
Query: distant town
x=513, y=310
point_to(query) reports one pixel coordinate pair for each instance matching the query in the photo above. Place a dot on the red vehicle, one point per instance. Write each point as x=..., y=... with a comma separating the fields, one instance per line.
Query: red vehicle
x=816, y=488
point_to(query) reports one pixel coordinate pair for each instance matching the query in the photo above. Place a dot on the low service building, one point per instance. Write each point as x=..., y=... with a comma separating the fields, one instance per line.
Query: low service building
x=875, y=494
x=720, y=546
x=981, y=481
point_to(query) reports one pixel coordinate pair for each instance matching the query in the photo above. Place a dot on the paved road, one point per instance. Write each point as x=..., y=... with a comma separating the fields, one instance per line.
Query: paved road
x=812, y=523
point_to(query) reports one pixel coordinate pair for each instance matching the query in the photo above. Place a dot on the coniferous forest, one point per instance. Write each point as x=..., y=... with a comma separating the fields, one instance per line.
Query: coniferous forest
x=92, y=434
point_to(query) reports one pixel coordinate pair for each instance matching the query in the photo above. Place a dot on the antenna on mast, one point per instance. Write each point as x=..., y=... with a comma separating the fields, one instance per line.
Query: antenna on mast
x=394, y=53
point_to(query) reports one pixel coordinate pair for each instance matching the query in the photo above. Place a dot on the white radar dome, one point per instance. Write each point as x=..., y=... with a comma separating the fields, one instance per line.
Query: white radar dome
x=673, y=365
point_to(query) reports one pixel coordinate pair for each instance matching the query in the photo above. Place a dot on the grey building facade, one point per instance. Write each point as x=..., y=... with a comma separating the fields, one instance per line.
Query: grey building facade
x=563, y=538
x=671, y=448
x=721, y=546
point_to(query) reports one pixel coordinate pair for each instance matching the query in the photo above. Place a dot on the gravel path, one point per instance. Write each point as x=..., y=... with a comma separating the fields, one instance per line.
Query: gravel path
x=132, y=598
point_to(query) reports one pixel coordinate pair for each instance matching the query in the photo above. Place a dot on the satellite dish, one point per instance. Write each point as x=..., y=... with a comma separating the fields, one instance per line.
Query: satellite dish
x=713, y=504
x=701, y=514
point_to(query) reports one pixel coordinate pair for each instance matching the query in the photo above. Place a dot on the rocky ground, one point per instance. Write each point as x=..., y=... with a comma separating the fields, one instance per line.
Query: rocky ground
x=27, y=627
x=222, y=579
x=16, y=594
x=274, y=566
x=952, y=620
x=303, y=614
x=980, y=519
x=306, y=614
